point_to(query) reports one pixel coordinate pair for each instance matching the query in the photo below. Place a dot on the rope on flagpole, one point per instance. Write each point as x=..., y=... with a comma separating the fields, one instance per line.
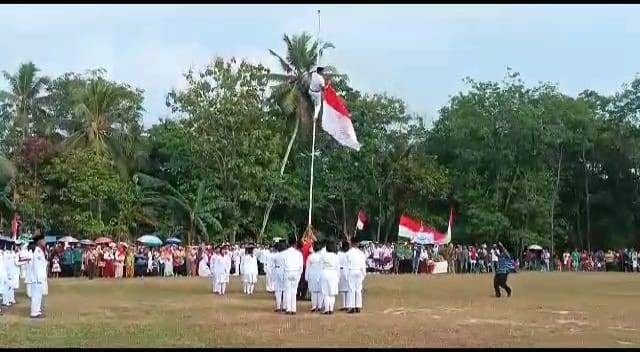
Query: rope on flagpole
x=313, y=143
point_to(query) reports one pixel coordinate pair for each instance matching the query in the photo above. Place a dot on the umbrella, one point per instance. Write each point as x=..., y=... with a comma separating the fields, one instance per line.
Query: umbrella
x=173, y=240
x=86, y=242
x=103, y=240
x=150, y=240
x=68, y=239
x=535, y=247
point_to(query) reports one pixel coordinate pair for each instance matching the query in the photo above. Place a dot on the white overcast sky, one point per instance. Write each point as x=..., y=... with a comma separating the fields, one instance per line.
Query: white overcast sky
x=420, y=53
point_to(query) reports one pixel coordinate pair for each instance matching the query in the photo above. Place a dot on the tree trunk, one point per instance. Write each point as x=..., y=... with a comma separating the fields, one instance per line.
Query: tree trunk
x=553, y=202
x=344, y=218
x=586, y=192
x=272, y=197
x=380, y=217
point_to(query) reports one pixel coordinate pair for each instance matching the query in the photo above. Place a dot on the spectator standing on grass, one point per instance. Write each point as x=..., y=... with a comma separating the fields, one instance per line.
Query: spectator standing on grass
x=92, y=259
x=55, y=267
x=473, y=259
x=417, y=253
x=465, y=259
x=575, y=258
x=77, y=261
x=129, y=263
x=67, y=262
x=545, y=260
x=634, y=260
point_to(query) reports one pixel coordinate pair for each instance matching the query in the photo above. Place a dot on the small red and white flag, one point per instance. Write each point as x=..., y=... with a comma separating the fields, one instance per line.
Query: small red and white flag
x=336, y=120
x=418, y=232
x=362, y=220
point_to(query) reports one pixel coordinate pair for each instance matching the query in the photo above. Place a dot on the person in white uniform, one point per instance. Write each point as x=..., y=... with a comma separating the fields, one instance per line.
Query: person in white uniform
x=357, y=268
x=293, y=265
x=4, y=277
x=329, y=278
x=268, y=269
x=26, y=256
x=13, y=275
x=249, y=269
x=38, y=277
x=312, y=274
x=316, y=87
x=343, y=272
x=203, y=266
x=220, y=272
x=277, y=273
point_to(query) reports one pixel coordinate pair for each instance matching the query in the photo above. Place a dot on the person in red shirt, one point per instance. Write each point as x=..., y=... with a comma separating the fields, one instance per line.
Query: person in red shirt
x=306, y=247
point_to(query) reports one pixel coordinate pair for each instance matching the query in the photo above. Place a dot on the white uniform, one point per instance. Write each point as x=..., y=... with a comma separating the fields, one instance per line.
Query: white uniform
x=38, y=280
x=279, y=284
x=221, y=265
x=293, y=265
x=203, y=267
x=13, y=281
x=249, y=273
x=27, y=258
x=268, y=271
x=312, y=275
x=4, y=278
x=357, y=267
x=329, y=279
x=212, y=263
x=343, y=282
x=316, y=87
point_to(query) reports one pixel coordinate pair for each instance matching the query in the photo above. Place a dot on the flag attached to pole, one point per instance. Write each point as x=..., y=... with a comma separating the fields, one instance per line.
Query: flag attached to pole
x=420, y=233
x=336, y=120
x=362, y=220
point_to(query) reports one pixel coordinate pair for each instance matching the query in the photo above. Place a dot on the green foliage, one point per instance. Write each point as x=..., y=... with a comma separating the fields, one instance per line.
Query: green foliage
x=521, y=164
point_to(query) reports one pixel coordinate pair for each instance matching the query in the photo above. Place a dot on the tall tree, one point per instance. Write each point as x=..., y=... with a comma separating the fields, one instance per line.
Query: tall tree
x=24, y=96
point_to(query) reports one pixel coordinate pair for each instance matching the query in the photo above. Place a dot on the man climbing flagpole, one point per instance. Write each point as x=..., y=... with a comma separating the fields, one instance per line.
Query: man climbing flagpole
x=336, y=118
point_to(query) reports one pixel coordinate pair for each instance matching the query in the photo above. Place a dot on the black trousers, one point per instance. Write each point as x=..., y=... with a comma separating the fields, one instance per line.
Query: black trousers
x=500, y=280
x=302, y=288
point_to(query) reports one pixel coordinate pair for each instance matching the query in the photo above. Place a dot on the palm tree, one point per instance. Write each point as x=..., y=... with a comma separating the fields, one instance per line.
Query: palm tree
x=96, y=106
x=24, y=96
x=160, y=194
x=291, y=89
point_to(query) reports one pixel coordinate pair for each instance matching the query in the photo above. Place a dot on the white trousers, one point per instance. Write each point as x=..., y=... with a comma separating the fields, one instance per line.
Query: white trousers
x=316, y=98
x=279, y=299
x=354, y=295
x=36, y=299
x=237, y=267
x=28, y=289
x=291, y=289
x=269, y=282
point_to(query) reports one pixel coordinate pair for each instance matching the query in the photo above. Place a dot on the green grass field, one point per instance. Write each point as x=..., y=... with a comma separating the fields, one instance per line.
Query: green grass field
x=547, y=309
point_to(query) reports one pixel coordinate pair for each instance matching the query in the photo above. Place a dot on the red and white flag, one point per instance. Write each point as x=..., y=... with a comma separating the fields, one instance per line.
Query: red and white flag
x=362, y=220
x=336, y=120
x=418, y=232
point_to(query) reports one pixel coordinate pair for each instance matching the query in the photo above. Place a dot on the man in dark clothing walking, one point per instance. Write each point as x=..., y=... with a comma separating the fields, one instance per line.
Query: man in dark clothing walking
x=504, y=266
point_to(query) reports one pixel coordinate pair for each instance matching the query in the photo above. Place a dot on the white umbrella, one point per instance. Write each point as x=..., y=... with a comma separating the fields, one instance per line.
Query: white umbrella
x=68, y=239
x=535, y=247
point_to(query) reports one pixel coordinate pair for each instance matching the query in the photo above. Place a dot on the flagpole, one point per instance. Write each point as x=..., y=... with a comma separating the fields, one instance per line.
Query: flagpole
x=313, y=143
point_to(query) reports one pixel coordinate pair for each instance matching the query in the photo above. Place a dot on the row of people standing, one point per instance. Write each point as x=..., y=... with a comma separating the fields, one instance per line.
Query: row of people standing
x=29, y=264
x=328, y=274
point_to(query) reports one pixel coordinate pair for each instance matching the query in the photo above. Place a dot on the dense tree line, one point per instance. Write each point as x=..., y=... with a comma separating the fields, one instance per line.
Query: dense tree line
x=520, y=164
